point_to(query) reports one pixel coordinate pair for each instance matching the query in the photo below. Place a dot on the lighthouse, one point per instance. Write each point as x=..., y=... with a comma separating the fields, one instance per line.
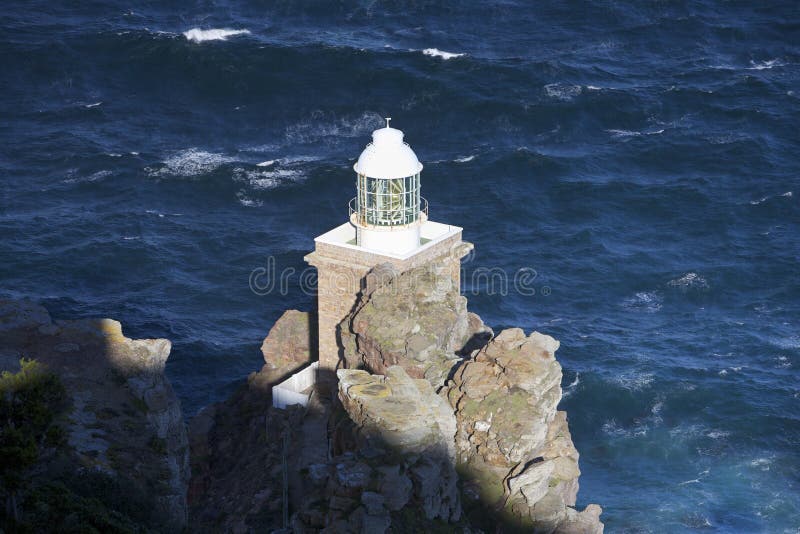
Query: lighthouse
x=388, y=211
x=387, y=223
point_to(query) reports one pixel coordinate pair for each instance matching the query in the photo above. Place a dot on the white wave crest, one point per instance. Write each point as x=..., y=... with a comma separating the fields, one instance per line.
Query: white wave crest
x=787, y=194
x=562, y=92
x=93, y=105
x=689, y=281
x=464, y=159
x=332, y=130
x=768, y=64
x=724, y=372
x=613, y=429
x=647, y=301
x=94, y=177
x=189, y=162
x=636, y=381
x=791, y=342
x=761, y=463
x=198, y=35
x=162, y=215
x=265, y=180
x=572, y=387
x=630, y=133
x=435, y=52
x=246, y=201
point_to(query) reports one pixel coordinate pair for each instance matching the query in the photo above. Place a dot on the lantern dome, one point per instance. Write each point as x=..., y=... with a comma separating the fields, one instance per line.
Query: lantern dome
x=387, y=156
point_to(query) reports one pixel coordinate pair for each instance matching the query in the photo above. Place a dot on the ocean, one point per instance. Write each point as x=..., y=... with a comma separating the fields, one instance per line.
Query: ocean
x=637, y=161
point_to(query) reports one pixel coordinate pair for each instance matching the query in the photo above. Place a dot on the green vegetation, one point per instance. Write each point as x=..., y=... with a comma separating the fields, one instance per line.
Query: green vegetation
x=41, y=484
x=56, y=504
x=30, y=400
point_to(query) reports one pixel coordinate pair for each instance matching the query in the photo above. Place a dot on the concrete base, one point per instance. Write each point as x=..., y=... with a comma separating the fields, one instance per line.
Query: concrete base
x=400, y=240
x=295, y=389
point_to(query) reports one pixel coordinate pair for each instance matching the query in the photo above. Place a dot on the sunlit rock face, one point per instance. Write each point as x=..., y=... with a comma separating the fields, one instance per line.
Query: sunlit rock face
x=435, y=423
x=417, y=320
x=290, y=344
x=397, y=411
x=403, y=418
x=124, y=419
x=513, y=449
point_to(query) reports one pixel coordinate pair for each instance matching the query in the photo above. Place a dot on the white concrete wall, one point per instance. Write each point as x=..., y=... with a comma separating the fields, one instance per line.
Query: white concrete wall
x=395, y=241
x=290, y=391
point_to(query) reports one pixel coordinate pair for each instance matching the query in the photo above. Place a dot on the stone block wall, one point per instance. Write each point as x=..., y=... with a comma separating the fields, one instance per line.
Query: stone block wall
x=340, y=279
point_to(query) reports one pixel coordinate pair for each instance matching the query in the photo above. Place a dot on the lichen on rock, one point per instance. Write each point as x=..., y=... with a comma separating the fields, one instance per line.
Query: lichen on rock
x=403, y=417
x=514, y=448
x=417, y=320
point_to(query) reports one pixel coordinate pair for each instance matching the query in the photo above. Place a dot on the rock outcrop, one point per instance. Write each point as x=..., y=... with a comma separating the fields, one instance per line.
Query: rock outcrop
x=290, y=344
x=237, y=453
x=417, y=320
x=403, y=417
x=436, y=423
x=124, y=420
x=513, y=449
x=397, y=470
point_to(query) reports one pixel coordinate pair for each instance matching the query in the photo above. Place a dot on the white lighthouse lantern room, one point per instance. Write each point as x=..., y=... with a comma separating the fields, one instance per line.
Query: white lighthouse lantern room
x=388, y=210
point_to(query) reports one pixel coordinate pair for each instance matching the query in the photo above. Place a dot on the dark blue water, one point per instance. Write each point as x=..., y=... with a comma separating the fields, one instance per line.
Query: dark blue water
x=642, y=157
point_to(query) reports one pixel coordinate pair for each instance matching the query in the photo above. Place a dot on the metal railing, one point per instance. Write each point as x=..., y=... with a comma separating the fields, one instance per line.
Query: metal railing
x=387, y=218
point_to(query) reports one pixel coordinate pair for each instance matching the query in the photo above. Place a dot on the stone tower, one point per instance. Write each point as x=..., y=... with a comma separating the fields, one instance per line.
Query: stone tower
x=388, y=223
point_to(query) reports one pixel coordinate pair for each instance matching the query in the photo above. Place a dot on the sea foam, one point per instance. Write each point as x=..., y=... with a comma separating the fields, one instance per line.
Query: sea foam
x=94, y=177
x=647, y=301
x=246, y=201
x=630, y=133
x=572, y=387
x=189, y=162
x=636, y=381
x=264, y=180
x=764, y=65
x=198, y=35
x=435, y=52
x=689, y=281
x=330, y=128
x=562, y=92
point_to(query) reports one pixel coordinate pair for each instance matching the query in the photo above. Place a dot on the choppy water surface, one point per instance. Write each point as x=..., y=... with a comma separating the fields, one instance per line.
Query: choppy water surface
x=641, y=157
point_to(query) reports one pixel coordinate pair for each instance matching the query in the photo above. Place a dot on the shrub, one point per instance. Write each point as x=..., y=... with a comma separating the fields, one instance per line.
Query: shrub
x=30, y=401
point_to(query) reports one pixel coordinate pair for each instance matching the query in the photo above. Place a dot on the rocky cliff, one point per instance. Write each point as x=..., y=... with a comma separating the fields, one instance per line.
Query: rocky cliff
x=512, y=448
x=125, y=448
x=434, y=423
x=431, y=423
